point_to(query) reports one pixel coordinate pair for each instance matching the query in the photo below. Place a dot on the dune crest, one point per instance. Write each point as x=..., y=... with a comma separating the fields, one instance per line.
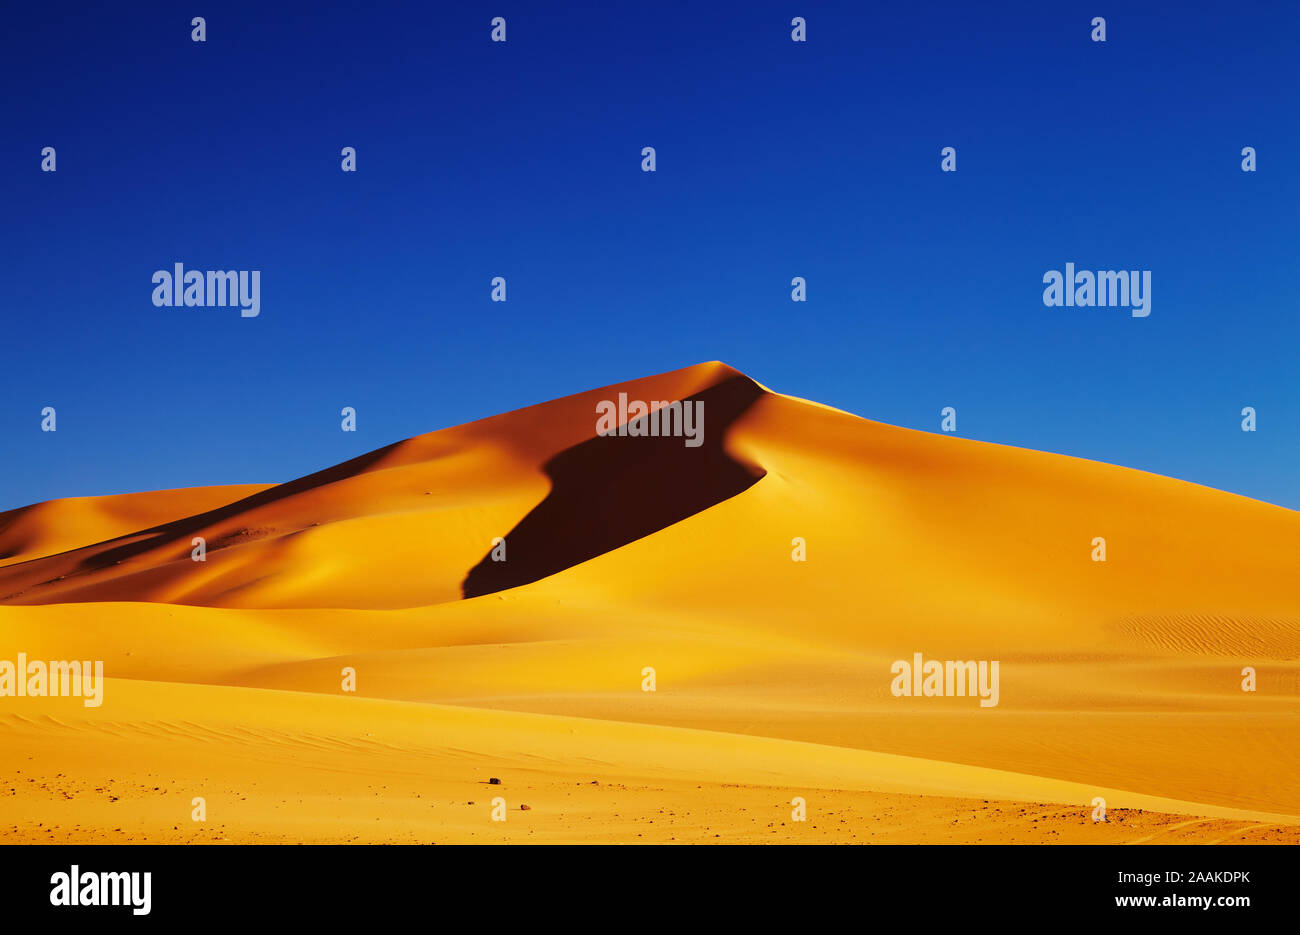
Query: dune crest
x=421, y=512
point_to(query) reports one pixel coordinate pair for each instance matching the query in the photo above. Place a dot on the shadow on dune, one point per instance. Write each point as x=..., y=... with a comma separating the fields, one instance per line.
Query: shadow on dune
x=610, y=490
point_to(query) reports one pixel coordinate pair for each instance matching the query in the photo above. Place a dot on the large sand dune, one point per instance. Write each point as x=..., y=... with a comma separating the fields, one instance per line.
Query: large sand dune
x=1119, y=679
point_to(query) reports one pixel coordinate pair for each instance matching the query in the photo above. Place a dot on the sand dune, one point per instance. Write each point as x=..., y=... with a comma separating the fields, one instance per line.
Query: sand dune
x=1119, y=679
x=55, y=526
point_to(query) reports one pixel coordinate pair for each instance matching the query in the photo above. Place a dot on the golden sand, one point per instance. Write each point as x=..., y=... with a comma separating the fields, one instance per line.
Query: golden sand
x=1119, y=679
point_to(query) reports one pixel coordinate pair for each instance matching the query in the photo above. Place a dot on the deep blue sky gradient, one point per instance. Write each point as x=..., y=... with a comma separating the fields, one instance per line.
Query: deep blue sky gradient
x=775, y=159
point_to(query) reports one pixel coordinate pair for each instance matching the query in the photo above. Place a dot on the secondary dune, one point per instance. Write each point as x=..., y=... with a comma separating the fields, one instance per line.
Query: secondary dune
x=1120, y=679
x=54, y=526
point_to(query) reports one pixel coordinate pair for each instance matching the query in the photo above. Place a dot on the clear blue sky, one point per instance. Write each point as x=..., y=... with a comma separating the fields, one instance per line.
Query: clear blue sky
x=522, y=160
